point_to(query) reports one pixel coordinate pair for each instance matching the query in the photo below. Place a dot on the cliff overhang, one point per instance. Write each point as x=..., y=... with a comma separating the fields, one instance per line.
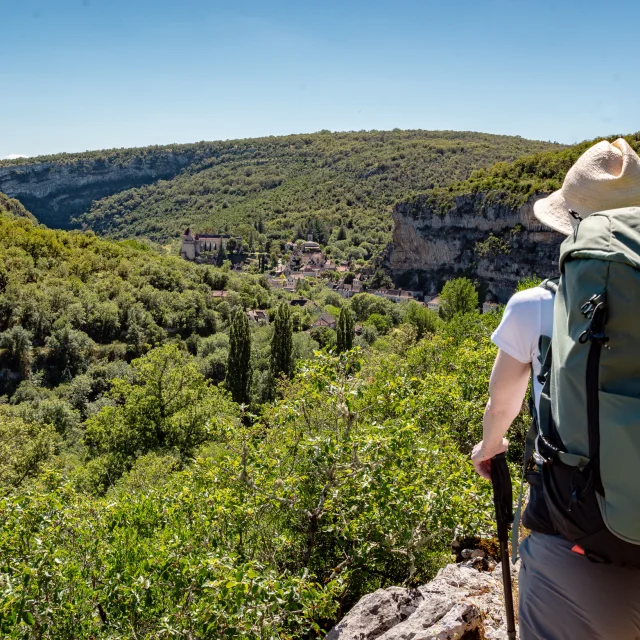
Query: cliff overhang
x=57, y=193
x=483, y=236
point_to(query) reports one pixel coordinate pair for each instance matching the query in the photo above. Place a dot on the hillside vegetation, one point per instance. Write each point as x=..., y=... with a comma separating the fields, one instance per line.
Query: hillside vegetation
x=296, y=184
x=350, y=179
x=513, y=183
x=137, y=499
x=13, y=207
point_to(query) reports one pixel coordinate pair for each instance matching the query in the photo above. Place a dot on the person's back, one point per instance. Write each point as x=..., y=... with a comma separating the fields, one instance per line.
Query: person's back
x=563, y=595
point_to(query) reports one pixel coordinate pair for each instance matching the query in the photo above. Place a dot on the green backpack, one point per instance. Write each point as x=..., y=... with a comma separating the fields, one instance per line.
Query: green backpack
x=588, y=423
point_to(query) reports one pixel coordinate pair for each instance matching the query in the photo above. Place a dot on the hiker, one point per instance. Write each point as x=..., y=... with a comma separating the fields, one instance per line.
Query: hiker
x=570, y=591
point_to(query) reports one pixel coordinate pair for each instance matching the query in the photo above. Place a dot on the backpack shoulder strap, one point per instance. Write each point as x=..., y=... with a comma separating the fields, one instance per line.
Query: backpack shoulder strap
x=550, y=284
x=545, y=356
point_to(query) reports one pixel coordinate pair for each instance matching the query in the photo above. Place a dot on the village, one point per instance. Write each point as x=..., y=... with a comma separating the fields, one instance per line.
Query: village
x=302, y=261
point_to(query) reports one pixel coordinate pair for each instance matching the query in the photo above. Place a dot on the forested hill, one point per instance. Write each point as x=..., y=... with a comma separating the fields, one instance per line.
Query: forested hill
x=513, y=183
x=13, y=207
x=482, y=227
x=354, y=178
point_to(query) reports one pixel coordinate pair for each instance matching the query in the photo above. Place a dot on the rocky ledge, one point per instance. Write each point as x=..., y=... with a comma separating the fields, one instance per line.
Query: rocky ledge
x=461, y=603
x=480, y=236
x=55, y=192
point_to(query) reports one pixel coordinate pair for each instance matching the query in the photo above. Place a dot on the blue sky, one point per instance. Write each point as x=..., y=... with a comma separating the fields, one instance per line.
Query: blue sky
x=91, y=74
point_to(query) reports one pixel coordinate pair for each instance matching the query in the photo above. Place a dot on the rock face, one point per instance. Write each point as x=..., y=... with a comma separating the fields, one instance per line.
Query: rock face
x=429, y=248
x=460, y=603
x=56, y=192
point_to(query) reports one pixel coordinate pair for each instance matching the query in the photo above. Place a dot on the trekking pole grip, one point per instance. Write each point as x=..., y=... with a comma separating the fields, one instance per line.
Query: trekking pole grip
x=502, y=494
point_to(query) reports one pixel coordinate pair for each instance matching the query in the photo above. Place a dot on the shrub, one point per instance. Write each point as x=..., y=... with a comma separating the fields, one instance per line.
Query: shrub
x=458, y=296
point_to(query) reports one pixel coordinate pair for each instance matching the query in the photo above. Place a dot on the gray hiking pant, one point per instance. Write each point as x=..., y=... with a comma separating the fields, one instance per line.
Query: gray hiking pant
x=564, y=596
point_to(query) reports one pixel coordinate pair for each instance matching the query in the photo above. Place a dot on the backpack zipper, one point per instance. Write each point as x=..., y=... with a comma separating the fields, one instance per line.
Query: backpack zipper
x=596, y=310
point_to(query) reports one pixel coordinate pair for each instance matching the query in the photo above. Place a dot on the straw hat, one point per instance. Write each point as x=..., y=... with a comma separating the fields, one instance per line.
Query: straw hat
x=606, y=176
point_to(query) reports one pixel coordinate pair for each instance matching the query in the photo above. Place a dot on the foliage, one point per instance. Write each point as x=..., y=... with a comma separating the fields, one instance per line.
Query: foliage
x=15, y=350
x=70, y=303
x=511, y=184
x=365, y=304
x=24, y=448
x=344, y=331
x=68, y=353
x=167, y=405
x=382, y=323
x=528, y=283
x=492, y=246
x=423, y=319
x=351, y=481
x=458, y=296
x=239, y=372
x=282, y=362
x=139, y=500
x=338, y=186
x=14, y=207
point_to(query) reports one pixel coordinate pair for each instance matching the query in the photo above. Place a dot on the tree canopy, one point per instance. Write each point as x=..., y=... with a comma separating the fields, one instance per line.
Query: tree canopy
x=458, y=296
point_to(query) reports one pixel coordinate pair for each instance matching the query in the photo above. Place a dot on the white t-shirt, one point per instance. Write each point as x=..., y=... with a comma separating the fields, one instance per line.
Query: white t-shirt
x=527, y=316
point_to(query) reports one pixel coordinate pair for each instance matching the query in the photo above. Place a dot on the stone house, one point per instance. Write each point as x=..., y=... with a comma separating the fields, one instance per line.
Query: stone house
x=395, y=295
x=194, y=245
x=309, y=246
x=325, y=320
x=258, y=316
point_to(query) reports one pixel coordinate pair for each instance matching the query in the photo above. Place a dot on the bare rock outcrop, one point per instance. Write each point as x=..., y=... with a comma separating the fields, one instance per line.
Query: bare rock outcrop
x=460, y=603
x=55, y=192
x=489, y=241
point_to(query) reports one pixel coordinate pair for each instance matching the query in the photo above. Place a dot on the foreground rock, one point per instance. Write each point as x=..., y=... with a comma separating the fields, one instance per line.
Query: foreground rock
x=460, y=603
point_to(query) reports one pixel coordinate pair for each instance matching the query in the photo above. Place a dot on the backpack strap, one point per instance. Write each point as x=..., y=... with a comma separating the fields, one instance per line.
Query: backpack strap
x=531, y=440
x=550, y=284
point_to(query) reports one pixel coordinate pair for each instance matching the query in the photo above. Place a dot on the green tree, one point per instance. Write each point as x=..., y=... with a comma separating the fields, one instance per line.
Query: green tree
x=458, y=296
x=222, y=255
x=423, y=319
x=282, y=362
x=239, y=362
x=381, y=322
x=15, y=350
x=24, y=448
x=168, y=405
x=345, y=331
x=528, y=282
x=69, y=353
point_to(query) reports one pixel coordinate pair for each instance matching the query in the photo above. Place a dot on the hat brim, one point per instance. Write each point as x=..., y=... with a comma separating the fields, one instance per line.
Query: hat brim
x=553, y=211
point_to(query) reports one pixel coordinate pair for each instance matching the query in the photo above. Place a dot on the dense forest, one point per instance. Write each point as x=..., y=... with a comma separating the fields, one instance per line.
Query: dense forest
x=341, y=186
x=169, y=469
x=513, y=183
x=13, y=206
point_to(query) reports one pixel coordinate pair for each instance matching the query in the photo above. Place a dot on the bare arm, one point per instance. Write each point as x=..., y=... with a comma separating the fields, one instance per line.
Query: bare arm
x=507, y=388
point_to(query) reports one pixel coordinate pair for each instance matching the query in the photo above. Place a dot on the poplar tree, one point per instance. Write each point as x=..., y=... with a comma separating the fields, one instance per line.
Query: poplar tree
x=222, y=254
x=282, y=343
x=345, y=327
x=239, y=362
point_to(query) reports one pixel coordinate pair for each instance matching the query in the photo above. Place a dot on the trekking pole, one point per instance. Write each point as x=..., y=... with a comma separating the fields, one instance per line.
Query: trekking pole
x=503, y=501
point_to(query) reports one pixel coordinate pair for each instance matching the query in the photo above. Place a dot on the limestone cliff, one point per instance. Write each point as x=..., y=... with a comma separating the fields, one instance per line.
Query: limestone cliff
x=56, y=192
x=479, y=236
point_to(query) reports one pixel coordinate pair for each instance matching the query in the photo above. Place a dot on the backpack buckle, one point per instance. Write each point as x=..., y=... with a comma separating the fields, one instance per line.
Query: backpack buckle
x=595, y=309
x=589, y=307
